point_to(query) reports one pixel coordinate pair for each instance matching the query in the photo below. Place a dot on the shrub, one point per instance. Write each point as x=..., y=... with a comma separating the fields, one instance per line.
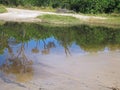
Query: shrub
x=84, y=6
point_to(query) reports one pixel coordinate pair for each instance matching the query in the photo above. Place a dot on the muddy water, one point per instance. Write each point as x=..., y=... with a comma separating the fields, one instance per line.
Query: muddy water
x=43, y=57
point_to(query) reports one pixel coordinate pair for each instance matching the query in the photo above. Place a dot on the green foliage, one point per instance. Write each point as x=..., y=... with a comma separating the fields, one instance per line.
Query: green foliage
x=95, y=6
x=12, y=2
x=84, y=6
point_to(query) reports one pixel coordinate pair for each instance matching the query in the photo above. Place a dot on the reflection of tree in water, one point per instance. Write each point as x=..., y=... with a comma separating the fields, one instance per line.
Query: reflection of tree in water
x=90, y=39
x=65, y=45
x=66, y=48
x=67, y=51
x=18, y=64
x=3, y=42
x=47, y=47
x=36, y=50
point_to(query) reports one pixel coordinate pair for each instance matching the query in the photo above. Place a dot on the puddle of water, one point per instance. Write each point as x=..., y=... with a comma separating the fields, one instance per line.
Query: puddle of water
x=33, y=51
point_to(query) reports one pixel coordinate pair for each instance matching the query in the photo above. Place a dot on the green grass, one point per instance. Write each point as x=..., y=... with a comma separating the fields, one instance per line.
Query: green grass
x=109, y=22
x=2, y=9
x=113, y=22
x=59, y=19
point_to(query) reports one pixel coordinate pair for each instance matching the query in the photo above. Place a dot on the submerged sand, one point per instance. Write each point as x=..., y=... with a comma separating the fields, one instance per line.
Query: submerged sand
x=77, y=72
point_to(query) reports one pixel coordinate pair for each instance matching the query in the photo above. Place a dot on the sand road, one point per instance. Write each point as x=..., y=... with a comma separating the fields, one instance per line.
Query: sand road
x=21, y=15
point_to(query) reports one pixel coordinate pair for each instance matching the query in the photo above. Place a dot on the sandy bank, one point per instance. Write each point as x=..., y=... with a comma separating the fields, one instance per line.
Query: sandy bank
x=21, y=15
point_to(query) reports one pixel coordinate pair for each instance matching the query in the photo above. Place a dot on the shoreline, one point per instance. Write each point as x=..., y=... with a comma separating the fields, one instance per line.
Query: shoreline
x=22, y=15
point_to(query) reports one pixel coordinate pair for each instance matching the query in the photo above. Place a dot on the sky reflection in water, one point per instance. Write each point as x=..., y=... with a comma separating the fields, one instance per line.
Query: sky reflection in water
x=20, y=41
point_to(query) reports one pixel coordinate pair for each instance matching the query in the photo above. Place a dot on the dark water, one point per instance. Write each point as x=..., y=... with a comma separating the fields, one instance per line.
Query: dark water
x=20, y=40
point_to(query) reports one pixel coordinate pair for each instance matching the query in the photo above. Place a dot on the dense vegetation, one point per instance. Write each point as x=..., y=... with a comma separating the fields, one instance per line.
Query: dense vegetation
x=84, y=6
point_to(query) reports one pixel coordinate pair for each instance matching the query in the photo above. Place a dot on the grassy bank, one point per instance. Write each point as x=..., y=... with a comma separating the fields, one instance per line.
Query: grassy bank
x=2, y=9
x=112, y=20
x=69, y=20
x=59, y=19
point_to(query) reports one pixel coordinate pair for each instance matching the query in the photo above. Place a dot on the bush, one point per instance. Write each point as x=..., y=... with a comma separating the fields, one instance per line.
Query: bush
x=95, y=6
x=117, y=9
x=84, y=6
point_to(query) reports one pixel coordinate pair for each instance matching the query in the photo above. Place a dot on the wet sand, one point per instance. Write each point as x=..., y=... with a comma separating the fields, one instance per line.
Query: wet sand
x=77, y=72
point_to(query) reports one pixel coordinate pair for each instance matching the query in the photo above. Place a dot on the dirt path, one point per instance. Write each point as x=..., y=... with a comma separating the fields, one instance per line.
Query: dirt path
x=21, y=15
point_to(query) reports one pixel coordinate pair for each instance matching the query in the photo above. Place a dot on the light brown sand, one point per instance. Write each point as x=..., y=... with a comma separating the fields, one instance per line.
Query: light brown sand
x=57, y=72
